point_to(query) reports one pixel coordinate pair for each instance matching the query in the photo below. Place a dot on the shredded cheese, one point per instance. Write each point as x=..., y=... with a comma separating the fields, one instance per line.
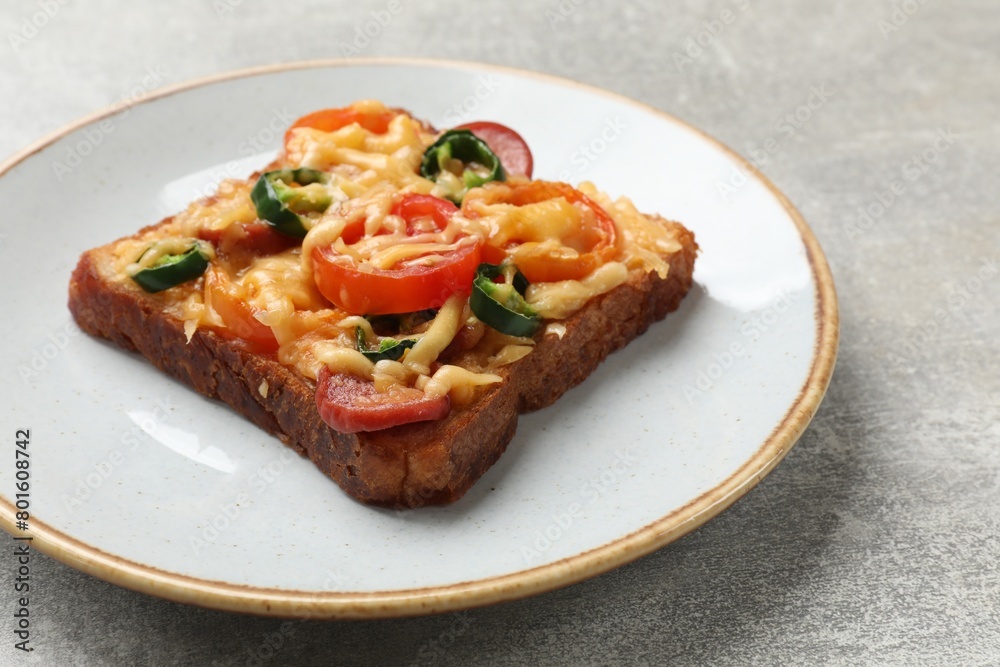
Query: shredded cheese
x=343, y=359
x=368, y=171
x=354, y=321
x=648, y=243
x=557, y=329
x=164, y=247
x=561, y=299
x=455, y=381
x=440, y=334
x=508, y=354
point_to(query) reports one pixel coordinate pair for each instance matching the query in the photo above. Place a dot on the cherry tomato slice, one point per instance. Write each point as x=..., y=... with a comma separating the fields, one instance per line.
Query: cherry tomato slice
x=387, y=291
x=595, y=245
x=366, y=290
x=349, y=404
x=413, y=208
x=330, y=120
x=510, y=147
x=237, y=314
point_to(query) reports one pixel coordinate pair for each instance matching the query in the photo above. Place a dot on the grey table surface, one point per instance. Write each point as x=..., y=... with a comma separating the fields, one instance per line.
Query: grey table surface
x=876, y=541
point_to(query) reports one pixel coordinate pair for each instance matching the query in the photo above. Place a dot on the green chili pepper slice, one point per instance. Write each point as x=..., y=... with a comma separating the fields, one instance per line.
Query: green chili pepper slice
x=172, y=270
x=502, y=305
x=279, y=203
x=468, y=150
x=389, y=349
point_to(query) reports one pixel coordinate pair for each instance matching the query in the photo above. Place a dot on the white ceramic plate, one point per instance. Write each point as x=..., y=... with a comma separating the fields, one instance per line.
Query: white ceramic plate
x=140, y=481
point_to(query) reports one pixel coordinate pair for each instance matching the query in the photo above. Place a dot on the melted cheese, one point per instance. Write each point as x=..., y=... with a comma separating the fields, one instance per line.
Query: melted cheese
x=546, y=221
x=164, y=247
x=192, y=311
x=560, y=300
x=367, y=174
x=446, y=324
x=508, y=354
x=229, y=205
x=343, y=360
x=413, y=252
x=392, y=157
x=354, y=321
x=278, y=286
x=389, y=374
x=455, y=381
x=557, y=329
x=648, y=242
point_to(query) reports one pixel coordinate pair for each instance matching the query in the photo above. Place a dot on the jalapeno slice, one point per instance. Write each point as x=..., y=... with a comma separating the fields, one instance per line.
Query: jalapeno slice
x=502, y=305
x=281, y=195
x=170, y=270
x=389, y=349
x=465, y=156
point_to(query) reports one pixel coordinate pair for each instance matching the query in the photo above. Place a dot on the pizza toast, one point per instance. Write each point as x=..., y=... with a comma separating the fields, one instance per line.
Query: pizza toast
x=244, y=313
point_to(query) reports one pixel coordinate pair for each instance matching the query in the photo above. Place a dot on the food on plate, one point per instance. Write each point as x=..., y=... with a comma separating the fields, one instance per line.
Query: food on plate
x=386, y=298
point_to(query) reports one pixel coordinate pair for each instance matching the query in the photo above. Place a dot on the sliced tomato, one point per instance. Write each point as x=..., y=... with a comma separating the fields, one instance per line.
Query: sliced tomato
x=422, y=213
x=237, y=314
x=594, y=243
x=372, y=291
x=350, y=404
x=417, y=210
x=510, y=147
x=366, y=290
x=330, y=120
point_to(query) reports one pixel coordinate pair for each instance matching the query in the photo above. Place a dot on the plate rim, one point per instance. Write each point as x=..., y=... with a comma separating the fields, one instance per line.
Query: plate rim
x=476, y=593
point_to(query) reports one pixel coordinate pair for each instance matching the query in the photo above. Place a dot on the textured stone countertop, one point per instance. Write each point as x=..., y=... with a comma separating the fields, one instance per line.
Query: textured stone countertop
x=876, y=540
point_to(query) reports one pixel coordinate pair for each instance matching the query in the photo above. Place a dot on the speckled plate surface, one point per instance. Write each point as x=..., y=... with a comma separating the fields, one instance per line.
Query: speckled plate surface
x=138, y=480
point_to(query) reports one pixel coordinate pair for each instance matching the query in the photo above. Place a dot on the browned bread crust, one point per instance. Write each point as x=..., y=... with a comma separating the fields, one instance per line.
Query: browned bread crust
x=404, y=466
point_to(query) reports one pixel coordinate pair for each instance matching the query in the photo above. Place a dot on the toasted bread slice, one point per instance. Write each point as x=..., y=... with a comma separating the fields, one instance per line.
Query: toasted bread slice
x=432, y=462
